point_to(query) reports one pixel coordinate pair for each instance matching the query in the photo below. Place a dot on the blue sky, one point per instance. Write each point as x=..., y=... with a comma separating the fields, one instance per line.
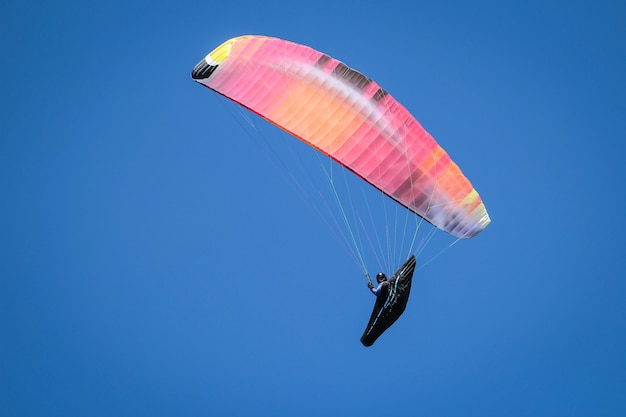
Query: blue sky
x=154, y=263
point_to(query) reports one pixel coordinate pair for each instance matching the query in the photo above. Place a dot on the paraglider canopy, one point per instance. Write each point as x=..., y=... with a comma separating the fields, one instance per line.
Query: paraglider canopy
x=350, y=118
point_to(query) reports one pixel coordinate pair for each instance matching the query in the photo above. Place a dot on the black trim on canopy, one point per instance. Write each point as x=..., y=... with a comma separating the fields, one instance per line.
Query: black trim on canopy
x=202, y=70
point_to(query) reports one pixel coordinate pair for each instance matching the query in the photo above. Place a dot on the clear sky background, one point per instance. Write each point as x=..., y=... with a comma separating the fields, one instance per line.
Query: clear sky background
x=154, y=263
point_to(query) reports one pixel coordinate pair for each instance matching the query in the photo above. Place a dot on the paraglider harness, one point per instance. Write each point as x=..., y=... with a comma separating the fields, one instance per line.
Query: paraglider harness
x=388, y=309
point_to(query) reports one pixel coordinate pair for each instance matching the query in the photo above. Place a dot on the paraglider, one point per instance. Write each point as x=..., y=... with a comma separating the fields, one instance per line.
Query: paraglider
x=391, y=298
x=350, y=118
